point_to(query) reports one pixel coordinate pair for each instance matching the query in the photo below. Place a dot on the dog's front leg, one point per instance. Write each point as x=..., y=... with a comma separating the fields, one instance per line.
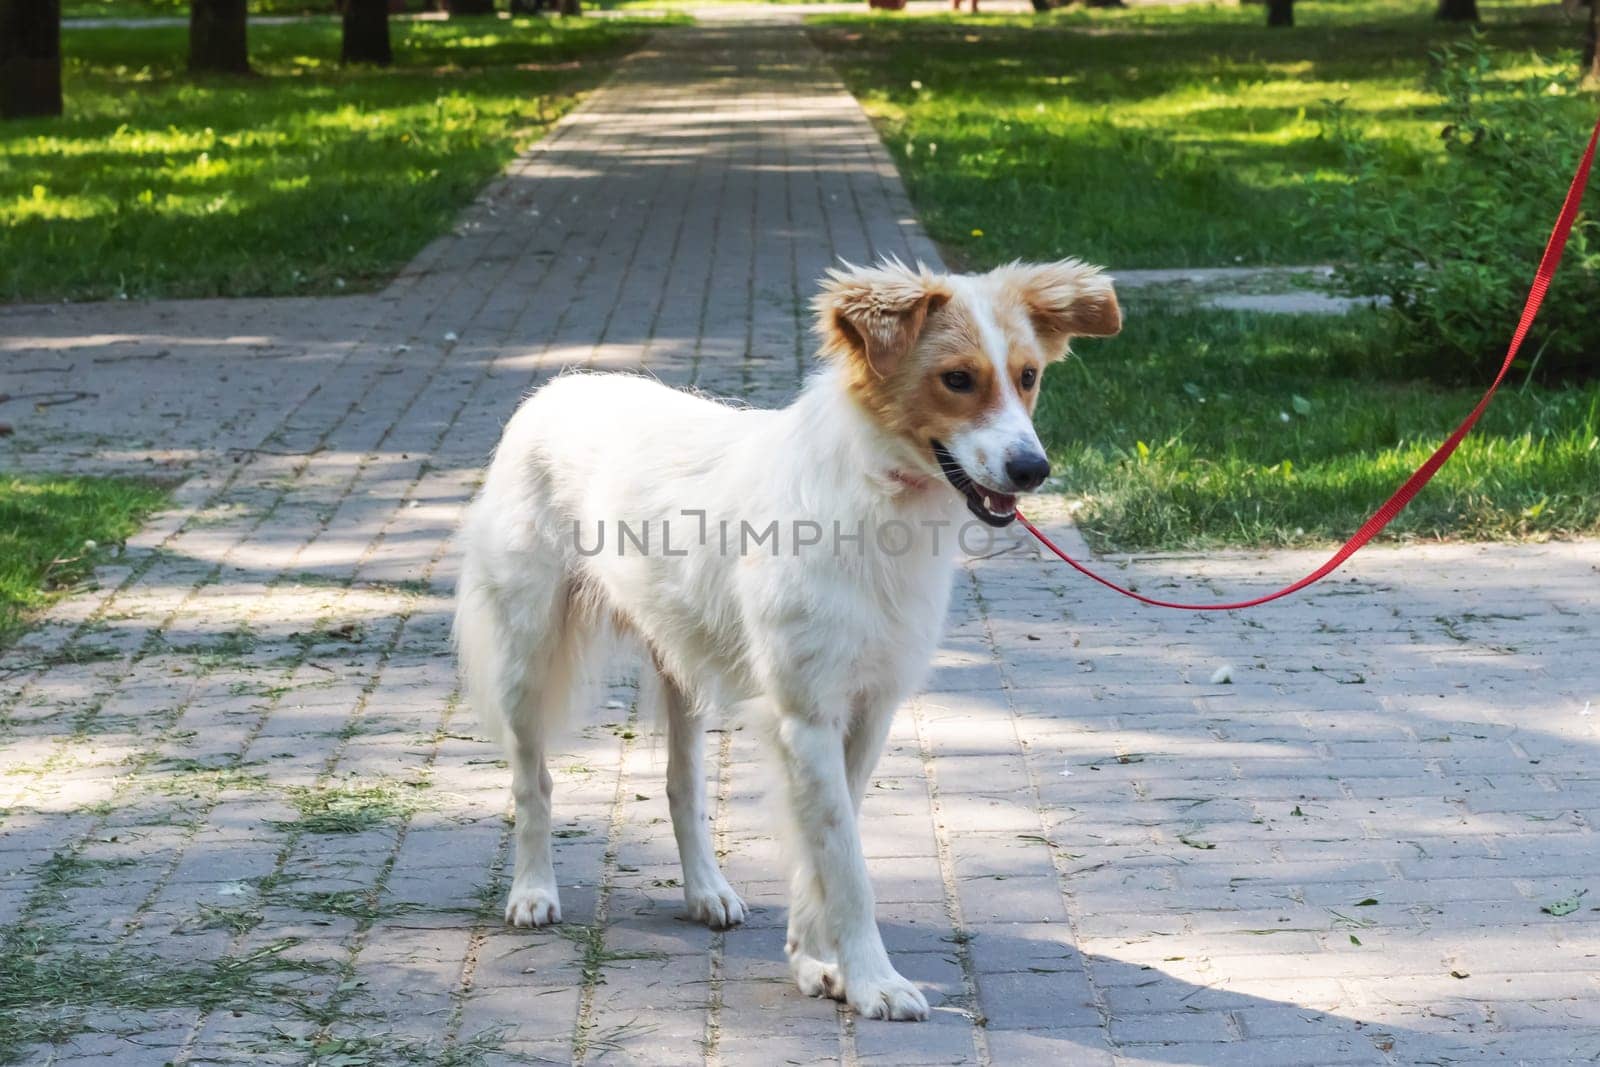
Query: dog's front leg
x=813, y=957
x=864, y=744
x=824, y=813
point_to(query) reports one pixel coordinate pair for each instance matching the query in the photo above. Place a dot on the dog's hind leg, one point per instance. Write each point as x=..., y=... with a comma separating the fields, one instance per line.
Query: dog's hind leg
x=522, y=652
x=706, y=892
x=556, y=677
x=534, y=899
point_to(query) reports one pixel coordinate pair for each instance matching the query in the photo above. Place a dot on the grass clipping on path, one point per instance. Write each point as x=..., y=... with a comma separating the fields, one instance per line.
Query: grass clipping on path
x=355, y=807
x=303, y=178
x=53, y=529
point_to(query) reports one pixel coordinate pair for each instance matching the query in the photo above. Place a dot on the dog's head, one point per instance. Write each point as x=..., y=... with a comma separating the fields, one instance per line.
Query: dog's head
x=951, y=364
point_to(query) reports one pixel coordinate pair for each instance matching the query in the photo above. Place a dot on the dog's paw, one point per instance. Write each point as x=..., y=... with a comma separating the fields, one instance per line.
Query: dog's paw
x=532, y=906
x=815, y=977
x=889, y=997
x=715, y=904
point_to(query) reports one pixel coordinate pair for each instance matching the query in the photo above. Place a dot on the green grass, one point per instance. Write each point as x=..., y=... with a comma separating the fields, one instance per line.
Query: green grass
x=45, y=523
x=1205, y=428
x=1159, y=137
x=1194, y=136
x=307, y=178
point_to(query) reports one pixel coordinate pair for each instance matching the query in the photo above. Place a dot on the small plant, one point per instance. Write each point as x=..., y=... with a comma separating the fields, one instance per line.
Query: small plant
x=1453, y=241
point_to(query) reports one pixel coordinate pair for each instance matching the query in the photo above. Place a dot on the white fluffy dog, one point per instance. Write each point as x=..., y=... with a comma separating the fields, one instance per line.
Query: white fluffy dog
x=797, y=562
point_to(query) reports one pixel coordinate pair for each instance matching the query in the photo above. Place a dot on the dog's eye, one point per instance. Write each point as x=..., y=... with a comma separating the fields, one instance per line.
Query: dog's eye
x=957, y=381
x=1029, y=376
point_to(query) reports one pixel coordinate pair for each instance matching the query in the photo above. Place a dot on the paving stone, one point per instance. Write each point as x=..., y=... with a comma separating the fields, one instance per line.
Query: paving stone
x=1076, y=837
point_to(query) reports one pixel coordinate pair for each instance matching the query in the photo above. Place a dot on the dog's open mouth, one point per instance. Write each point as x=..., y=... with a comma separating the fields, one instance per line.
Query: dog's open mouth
x=994, y=508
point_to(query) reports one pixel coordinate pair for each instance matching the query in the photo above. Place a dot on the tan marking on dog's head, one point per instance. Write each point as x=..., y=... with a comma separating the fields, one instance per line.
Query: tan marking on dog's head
x=870, y=317
x=895, y=331
x=931, y=357
x=1062, y=300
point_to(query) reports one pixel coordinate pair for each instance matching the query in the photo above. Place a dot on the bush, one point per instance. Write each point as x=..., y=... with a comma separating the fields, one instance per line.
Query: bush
x=1454, y=244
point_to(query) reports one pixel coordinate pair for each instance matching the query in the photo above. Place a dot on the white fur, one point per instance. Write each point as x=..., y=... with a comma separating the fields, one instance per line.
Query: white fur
x=827, y=644
x=983, y=448
x=822, y=641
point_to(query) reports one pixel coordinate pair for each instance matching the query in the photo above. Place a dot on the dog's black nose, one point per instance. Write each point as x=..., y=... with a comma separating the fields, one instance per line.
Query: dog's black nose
x=1028, y=470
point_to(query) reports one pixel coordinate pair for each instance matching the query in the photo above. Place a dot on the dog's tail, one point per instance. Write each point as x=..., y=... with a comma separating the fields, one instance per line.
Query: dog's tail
x=526, y=651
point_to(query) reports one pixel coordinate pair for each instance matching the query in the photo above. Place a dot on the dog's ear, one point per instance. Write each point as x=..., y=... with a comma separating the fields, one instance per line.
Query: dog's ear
x=1065, y=299
x=874, y=315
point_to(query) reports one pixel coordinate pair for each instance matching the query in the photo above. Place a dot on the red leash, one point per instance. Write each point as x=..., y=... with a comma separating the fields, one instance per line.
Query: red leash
x=1413, y=485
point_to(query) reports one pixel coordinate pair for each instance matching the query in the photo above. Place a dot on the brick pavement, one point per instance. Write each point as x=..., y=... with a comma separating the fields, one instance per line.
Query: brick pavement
x=240, y=813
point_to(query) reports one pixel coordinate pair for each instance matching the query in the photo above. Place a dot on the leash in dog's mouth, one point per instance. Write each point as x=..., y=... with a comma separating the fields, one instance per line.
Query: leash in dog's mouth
x=988, y=506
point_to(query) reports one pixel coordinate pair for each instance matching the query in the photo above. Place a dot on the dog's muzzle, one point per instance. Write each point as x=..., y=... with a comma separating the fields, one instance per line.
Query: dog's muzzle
x=987, y=505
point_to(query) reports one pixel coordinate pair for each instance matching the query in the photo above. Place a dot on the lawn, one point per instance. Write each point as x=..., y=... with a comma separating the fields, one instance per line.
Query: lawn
x=52, y=529
x=1205, y=428
x=1194, y=136
x=307, y=178
x=1158, y=137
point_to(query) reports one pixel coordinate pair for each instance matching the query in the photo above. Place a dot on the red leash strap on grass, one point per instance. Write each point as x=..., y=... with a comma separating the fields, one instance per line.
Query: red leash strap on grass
x=1413, y=485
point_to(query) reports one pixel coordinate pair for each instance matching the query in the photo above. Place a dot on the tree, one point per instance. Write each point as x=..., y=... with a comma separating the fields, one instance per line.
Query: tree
x=30, y=58
x=366, y=33
x=217, y=42
x=471, y=7
x=1458, y=10
x=1281, y=12
x=1591, y=46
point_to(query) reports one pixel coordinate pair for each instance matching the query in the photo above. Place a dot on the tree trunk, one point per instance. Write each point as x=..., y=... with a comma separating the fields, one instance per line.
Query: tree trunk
x=217, y=37
x=1591, y=45
x=366, y=33
x=30, y=58
x=471, y=7
x=1280, y=12
x=1458, y=10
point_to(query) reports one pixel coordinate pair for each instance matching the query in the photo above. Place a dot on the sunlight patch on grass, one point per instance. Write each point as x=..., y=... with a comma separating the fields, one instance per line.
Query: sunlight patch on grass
x=1156, y=137
x=307, y=178
x=52, y=531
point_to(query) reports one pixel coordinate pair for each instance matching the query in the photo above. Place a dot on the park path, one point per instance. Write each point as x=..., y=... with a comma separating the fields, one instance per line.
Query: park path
x=238, y=804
